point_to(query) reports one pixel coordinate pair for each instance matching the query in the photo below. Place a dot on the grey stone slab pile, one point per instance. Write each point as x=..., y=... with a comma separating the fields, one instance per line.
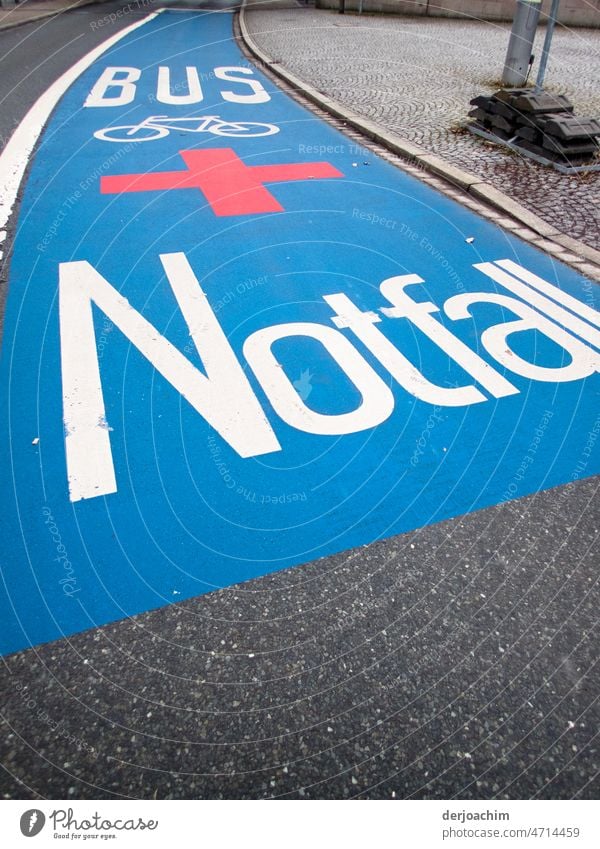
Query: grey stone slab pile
x=539, y=122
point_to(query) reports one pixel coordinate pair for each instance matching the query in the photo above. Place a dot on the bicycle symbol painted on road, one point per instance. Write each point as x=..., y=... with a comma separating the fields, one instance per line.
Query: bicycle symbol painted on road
x=159, y=126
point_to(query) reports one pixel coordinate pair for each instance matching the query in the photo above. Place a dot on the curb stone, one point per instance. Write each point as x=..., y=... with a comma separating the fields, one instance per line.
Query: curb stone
x=512, y=216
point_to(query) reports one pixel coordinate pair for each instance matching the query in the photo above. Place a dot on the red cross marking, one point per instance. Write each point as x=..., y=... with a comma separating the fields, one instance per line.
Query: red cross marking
x=230, y=186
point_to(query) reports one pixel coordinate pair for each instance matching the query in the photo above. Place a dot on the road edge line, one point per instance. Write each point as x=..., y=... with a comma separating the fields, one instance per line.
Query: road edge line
x=578, y=255
x=20, y=147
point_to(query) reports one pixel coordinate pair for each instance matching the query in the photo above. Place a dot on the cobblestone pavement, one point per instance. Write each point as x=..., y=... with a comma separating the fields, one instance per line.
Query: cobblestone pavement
x=416, y=78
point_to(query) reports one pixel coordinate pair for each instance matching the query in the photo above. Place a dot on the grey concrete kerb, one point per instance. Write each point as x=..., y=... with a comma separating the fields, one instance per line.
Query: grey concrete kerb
x=517, y=218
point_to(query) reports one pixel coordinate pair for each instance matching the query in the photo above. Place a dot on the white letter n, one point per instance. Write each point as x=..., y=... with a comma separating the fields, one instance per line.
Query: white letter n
x=223, y=395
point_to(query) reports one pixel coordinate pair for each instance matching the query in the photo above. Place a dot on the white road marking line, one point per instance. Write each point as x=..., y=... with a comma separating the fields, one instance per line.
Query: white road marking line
x=16, y=154
x=552, y=291
x=542, y=303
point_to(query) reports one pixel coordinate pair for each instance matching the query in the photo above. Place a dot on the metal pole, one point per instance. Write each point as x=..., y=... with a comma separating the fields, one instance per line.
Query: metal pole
x=520, y=43
x=547, y=42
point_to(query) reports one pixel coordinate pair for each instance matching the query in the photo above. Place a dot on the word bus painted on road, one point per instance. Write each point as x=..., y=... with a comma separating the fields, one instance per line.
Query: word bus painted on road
x=117, y=86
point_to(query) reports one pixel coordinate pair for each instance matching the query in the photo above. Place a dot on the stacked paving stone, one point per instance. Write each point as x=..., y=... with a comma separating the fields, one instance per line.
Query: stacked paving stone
x=539, y=122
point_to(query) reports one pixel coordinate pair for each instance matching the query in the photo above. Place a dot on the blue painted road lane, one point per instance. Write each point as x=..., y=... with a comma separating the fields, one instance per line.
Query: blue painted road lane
x=236, y=342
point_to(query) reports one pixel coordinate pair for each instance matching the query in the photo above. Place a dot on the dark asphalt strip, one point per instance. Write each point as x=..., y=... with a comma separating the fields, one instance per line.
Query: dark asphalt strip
x=455, y=661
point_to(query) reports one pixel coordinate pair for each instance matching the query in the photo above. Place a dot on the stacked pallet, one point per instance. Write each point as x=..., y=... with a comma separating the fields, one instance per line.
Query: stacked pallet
x=539, y=122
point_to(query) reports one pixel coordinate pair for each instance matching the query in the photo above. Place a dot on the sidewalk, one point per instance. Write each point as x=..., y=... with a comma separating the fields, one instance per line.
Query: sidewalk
x=416, y=78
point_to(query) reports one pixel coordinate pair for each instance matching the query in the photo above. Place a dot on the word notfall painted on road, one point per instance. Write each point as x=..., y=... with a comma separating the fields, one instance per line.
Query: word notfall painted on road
x=222, y=394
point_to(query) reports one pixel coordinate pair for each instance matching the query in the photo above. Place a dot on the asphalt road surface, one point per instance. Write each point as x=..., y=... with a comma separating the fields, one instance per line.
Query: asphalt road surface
x=382, y=592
